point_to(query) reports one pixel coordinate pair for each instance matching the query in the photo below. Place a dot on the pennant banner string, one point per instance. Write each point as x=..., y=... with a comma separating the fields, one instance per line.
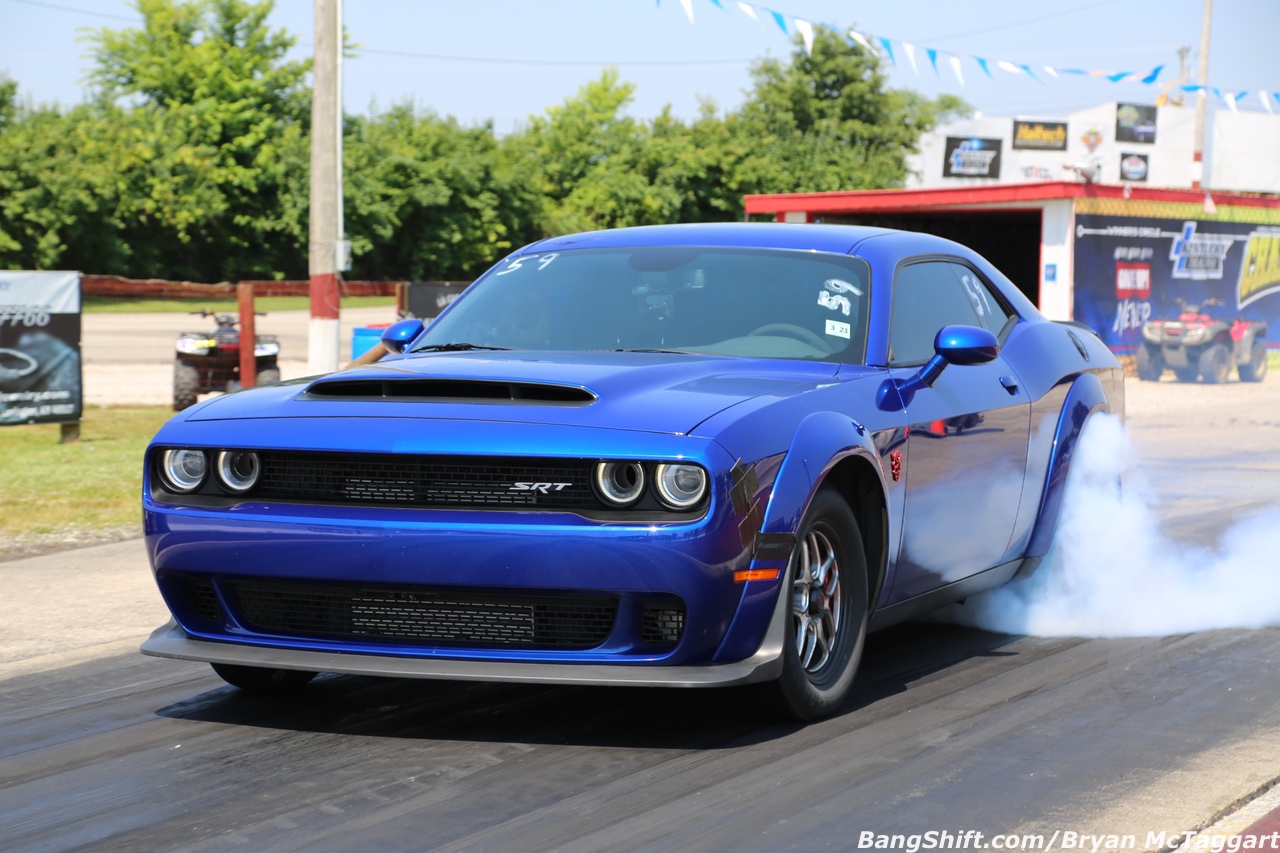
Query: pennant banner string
x=790, y=24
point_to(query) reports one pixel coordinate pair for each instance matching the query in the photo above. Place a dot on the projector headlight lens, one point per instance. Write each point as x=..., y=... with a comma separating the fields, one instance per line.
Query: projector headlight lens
x=620, y=483
x=238, y=470
x=681, y=486
x=183, y=469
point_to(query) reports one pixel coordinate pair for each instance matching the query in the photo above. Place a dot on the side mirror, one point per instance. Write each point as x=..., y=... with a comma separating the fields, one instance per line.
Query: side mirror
x=400, y=334
x=958, y=345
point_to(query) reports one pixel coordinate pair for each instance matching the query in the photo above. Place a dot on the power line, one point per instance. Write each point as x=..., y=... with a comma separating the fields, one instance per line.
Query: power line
x=1022, y=23
x=553, y=62
x=76, y=10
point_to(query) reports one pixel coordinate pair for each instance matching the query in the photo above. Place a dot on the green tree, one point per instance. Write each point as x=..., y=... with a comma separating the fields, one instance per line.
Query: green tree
x=215, y=109
x=827, y=121
x=429, y=199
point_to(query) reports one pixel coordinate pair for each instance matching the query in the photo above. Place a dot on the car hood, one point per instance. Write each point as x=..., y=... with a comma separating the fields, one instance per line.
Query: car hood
x=651, y=392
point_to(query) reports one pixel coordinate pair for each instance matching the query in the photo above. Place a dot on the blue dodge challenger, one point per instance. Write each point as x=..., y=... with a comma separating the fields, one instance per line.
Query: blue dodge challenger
x=685, y=455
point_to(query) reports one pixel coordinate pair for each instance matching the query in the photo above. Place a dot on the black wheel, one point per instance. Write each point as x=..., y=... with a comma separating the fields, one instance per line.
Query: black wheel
x=1186, y=374
x=261, y=679
x=186, y=385
x=1215, y=364
x=268, y=376
x=1256, y=369
x=1150, y=363
x=827, y=625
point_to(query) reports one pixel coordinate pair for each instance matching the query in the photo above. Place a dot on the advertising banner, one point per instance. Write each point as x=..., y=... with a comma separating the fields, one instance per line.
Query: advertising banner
x=966, y=157
x=1135, y=123
x=1040, y=135
x=1134, y=167
x=1129, y=270
x=426, y=299
x=40, y=347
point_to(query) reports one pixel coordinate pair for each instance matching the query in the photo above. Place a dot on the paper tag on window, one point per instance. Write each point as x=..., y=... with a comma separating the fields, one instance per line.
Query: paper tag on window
x=837, y=329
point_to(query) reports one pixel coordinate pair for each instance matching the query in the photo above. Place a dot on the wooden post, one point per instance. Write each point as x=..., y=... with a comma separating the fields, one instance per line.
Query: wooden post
x=248, y=336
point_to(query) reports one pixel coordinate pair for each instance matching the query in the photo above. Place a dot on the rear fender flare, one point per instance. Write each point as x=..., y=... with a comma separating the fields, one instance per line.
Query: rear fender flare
x=1085, y=398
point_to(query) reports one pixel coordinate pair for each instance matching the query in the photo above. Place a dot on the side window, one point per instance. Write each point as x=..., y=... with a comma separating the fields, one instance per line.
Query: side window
x=991, y=313
x=926, y=297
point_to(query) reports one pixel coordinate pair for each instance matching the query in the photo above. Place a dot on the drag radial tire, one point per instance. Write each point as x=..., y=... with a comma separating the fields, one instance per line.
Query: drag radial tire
x=826, y=625
x=260, y=679
x=1215, y=364
x=1150, y=363
x=1256, y=369
x=268, y=375
x=186, y=385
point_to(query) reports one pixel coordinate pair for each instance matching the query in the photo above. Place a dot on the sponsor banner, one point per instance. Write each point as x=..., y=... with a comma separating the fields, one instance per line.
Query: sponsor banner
x=1135, y=123
x=426, y=299
x=40, y=347
x=1040, y=135
x=971, y=157
x=1129, y=270
x=1134, y=167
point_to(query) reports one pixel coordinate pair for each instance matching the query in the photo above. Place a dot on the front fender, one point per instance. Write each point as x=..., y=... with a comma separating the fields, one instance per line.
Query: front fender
x=1084, y=399
x=820, y=442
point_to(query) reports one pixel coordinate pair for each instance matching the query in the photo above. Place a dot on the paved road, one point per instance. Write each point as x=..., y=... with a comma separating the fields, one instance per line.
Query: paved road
x=128, y=358
x=951, y=729
x=141, y=338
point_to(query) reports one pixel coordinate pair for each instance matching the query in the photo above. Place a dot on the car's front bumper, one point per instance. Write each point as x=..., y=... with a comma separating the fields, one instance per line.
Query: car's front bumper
x=171, y=641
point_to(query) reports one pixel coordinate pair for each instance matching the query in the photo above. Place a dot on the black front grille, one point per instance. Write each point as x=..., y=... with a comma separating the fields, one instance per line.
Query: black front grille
x=426, y=481
x=423, y=616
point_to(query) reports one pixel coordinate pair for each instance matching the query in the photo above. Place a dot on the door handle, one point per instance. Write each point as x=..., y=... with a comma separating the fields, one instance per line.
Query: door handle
x=1010, y=384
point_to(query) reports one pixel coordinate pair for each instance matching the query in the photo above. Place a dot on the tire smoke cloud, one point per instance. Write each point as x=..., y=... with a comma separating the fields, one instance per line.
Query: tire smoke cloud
x=1112, y=572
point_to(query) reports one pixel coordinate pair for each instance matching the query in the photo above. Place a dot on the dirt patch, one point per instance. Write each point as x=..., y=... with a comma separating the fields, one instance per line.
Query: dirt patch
x=35, y=544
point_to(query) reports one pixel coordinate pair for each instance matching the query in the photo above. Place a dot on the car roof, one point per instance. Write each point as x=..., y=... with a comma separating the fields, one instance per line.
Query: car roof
x=842, y=239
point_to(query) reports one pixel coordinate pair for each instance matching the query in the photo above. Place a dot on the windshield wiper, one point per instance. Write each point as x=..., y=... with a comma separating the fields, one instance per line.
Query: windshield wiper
x=675, y=351
x=457, y=347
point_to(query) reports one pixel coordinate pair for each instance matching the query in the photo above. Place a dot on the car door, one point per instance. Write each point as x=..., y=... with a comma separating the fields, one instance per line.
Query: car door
x=966, y=450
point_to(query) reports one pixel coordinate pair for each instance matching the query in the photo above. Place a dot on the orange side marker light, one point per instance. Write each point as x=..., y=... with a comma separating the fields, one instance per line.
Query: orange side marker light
x=756, y=575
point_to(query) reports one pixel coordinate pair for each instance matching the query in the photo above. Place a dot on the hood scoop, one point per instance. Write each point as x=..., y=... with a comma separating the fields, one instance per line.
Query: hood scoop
x=450, y=391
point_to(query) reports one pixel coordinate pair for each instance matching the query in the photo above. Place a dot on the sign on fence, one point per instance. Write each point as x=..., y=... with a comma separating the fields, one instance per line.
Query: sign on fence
x=40, y=347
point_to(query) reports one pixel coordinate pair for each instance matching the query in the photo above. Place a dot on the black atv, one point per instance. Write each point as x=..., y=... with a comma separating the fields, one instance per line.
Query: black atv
x=206, y=362
x=1197, y=345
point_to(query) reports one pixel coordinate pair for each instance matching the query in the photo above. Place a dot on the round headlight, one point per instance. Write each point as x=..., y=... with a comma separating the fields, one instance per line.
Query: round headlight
x=620, y=483
x=681, y=486
x=183, y=469
x=238, y=470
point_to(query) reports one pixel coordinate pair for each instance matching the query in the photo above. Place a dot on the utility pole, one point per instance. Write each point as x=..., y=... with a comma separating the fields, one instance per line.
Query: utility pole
x=1202, y=96
x=326, y=253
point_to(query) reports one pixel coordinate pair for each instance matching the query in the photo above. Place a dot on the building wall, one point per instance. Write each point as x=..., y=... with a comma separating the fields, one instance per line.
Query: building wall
x=1244, y=152
x=1091, y=143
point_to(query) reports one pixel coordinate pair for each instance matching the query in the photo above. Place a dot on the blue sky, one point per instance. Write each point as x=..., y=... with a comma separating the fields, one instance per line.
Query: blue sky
x=512, y=58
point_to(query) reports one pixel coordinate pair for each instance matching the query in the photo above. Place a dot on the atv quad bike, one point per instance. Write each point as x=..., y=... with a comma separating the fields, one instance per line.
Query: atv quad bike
x=206, y=362
x=1197, y=345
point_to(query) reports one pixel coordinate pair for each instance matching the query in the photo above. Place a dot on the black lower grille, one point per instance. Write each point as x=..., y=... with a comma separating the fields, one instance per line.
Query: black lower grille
x=662, y=625
x=452, y=481
x=426, y=617
x=203, y=601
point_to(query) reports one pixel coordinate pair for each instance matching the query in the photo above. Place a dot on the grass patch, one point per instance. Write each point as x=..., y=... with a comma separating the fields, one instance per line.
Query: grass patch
x=121, y=305
x=95, y=484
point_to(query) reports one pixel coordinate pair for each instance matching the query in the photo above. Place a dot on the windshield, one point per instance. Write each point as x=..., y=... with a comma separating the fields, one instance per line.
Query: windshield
x=726, y=301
